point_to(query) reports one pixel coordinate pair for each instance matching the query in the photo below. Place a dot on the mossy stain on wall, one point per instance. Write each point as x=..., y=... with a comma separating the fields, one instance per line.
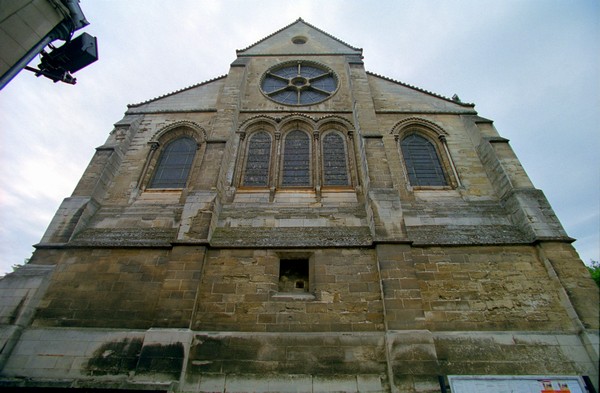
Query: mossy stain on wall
x=115, y=357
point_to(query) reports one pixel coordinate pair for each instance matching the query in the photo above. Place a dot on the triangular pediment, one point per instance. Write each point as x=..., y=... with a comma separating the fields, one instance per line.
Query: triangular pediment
x=299, y=38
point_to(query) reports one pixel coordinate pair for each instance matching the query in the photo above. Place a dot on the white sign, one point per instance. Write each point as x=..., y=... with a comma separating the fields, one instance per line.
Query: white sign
x=515, y=384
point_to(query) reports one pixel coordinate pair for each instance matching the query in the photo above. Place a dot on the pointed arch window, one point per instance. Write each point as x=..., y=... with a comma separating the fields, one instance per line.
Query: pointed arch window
x=174, y=164
x=335, y=162
x=296, y=160
x=422, y=162
x=258, y=160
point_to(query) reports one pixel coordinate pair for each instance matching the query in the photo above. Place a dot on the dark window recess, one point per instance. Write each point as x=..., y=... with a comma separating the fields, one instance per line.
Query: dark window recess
x=293, y=275
x=422, y=162
x=299, y=84
x=335, y=170
x=174, y=165
x=296, y=160
x=258, y=160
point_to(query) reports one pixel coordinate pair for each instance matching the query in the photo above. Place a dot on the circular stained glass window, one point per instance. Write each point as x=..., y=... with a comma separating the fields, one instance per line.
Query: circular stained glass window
x=299, y=83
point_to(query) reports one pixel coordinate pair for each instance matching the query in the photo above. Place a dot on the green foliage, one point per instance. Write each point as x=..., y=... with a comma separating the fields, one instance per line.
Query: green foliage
x=594, y=269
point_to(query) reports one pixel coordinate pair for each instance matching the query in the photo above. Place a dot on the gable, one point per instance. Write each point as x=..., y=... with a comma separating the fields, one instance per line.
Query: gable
x=309, y=40
x=202, y=96
x=390, y=95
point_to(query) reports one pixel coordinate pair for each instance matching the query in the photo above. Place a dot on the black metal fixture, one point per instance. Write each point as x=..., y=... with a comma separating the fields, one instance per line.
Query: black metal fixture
x=62, y=62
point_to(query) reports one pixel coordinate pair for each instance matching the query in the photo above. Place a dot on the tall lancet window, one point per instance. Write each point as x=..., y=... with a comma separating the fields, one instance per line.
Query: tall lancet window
x=335, y=163
x=258, y=160
x=422, y=162
x=174, y=164
x=296, y=160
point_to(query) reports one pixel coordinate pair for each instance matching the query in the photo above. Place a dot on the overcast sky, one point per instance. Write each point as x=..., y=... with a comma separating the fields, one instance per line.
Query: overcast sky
x=531, y=66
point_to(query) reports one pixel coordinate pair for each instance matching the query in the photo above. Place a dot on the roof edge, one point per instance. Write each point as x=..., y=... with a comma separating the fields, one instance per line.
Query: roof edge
x=299, y=20
x=465, y=104
x=176, y=91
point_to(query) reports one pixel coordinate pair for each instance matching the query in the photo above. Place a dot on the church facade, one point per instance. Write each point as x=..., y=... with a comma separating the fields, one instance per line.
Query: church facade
x=301, y=225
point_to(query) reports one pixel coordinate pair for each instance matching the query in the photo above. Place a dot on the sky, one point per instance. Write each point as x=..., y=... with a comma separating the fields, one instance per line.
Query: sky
x=532, y=66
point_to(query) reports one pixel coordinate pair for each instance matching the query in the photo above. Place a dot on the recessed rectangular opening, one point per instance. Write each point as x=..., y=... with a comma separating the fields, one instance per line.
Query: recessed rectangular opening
x=293, y=275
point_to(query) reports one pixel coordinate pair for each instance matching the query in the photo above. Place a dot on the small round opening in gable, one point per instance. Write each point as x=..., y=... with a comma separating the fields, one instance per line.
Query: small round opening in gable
x=299, y=40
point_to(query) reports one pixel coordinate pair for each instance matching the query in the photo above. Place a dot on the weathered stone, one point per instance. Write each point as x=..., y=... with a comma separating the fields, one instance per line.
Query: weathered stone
x=305, y=251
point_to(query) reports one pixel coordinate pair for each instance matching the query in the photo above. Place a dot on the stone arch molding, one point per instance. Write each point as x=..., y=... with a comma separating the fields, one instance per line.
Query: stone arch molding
x=410, y=122
x=256, y=122
x=334, y=122
x=179, y=128
x=288, y=122
x=159, y=140
x=296, y=122
x=436, y=135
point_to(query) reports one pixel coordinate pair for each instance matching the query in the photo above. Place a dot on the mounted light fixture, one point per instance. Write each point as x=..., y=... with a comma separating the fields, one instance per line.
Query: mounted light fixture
x=74, y=55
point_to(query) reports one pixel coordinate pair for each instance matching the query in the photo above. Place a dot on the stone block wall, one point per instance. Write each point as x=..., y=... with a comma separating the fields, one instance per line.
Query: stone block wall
x=379, y=171
x=436, y=288
x=181, y=360
x=289, y=353
x=516, y=353
x=121, y=359
x=18, y=291
x=210, y=167
x=20, y=294
x=123, y=288
x=418, y=357
x=183, y=290
x=469, y=288
x=563, y=263
x=239, y=291
x=70, y=215
x=61, y=354
x=100, y=172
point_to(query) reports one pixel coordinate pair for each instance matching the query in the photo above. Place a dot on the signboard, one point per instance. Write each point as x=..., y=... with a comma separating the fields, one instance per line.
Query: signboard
x=515, y=384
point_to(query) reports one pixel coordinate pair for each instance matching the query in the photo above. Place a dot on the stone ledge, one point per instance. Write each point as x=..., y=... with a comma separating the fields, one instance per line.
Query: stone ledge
x=30, y=270
x=466, y=235
x=291, y=237
x=125, y=237
x=293, y=296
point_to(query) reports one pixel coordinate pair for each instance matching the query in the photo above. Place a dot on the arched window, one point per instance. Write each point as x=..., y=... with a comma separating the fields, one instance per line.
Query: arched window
x=174, y=164
x=422, y=162
x=335, y=163
x=296, y=160
x=258, y=160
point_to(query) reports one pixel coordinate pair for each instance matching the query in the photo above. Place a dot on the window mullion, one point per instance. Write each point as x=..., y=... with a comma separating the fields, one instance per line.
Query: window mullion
x=316, y=161
x=276, y=162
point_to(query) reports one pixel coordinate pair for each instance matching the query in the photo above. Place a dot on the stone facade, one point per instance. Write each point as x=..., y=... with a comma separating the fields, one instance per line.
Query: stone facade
x=358, y=278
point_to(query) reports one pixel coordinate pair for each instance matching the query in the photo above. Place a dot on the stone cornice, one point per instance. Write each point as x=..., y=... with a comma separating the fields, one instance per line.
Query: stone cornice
x=295, y=111
x=423, y=112
x=300, y=55
x=161, y=111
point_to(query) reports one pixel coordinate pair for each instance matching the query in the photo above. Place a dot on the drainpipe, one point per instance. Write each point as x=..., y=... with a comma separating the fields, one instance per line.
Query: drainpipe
x=77, y=18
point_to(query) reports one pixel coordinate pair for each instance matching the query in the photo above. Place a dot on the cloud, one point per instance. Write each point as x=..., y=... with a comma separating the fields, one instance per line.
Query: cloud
x=534, y=68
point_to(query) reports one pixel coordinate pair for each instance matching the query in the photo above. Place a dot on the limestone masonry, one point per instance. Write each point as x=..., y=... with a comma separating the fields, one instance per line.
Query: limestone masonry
x=300, y=225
